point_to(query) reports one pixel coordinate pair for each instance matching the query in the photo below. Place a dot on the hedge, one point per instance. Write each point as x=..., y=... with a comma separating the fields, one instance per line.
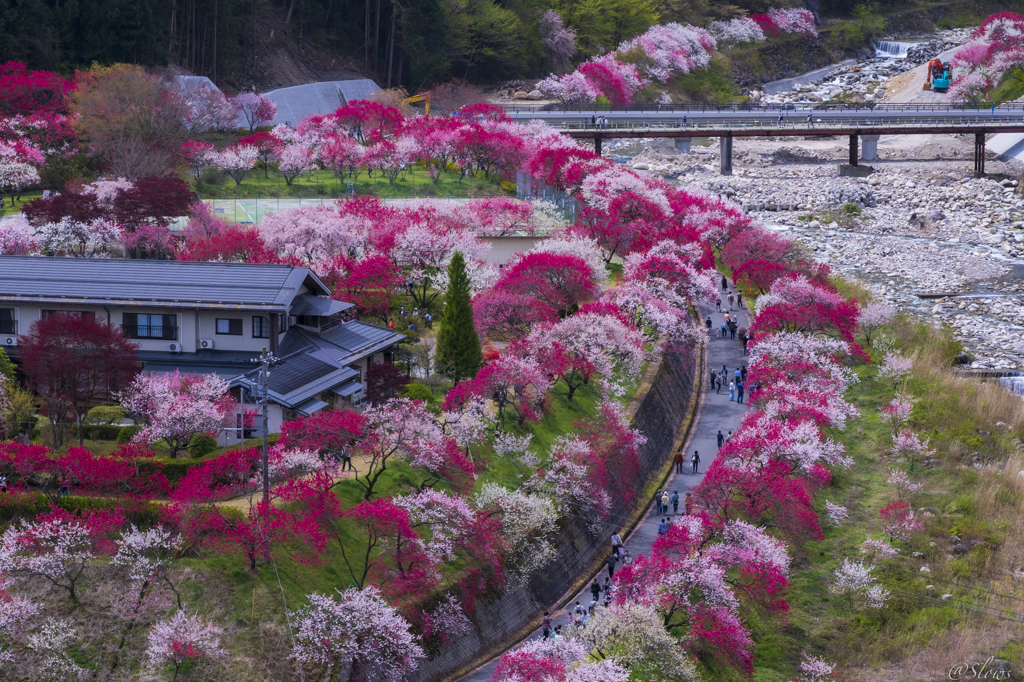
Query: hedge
x=30, y=505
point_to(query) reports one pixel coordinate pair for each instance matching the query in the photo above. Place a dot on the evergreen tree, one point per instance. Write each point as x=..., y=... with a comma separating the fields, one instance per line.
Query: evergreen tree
x=458, y=346
x=6, y=366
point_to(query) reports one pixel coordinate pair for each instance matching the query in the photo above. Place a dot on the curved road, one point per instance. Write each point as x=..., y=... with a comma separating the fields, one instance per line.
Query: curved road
x=716, y=412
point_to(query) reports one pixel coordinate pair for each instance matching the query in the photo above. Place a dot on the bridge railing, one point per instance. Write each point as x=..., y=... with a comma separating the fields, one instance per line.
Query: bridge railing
x=798, y=122
x=749, y=107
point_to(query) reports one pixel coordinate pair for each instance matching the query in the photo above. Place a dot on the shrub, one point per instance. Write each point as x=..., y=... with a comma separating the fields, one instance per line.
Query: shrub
x=126, y=434
x=105, y=414
x=419, y=392
x=201, y=445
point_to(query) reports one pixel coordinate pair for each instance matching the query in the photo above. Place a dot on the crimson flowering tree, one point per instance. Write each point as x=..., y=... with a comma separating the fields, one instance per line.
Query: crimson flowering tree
x=75, y=362
x=559, y=282
x=173, y=408
x=758, y=274
x=503, y=315
x=80, y=207
x=199, y=156
x=899, y=520
x=370, y=284
x=358, y=118
x=327, y=432
x=232, y=245
x=28, y=92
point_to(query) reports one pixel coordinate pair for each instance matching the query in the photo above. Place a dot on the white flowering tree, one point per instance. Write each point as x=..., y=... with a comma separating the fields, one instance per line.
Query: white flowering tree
x=853, y=580
x=355, y=635
x=182, y=641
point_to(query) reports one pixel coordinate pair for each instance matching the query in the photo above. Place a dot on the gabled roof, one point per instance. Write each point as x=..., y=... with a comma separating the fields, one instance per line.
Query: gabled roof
x=307, y=304
x=312, y=364
x=141, y=283
x=344, y=343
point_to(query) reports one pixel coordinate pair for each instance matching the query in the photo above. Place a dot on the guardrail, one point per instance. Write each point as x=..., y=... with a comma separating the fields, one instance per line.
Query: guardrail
x=729, y=108
x=768, y=126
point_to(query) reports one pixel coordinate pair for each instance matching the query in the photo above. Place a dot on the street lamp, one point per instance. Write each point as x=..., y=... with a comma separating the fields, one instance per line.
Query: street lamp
x=266, y=361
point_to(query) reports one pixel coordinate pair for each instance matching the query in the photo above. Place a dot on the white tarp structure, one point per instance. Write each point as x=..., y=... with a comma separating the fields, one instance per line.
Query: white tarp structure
x=299, y=101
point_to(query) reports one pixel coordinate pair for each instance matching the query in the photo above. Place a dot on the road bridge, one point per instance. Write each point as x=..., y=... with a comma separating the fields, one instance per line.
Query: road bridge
x=858, y=123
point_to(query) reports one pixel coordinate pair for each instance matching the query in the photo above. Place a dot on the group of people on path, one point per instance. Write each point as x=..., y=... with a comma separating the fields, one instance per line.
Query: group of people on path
x=738, y=386
x=730, y=327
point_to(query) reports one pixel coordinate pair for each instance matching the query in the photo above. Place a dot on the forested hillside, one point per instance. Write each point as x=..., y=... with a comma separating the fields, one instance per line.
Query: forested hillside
x=411, y=42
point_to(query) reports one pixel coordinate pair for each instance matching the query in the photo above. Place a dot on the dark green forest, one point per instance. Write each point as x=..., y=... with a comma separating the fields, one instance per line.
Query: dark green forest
x=408, y=42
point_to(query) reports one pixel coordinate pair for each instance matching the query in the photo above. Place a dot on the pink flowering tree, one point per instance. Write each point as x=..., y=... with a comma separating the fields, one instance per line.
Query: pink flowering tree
x=293, y=160
x=312, y=234
x=400, y=429
x=57, y=550
x=237, y=161
x=895, y=369
x=256, y=109
x=907, y=447
x=898, y=519
x=736, y=31
x=813, y=669
x=173, y=408
x=15, y=610
x=873, y=317
x=355, y=634
x=558, y=41
x=183, y=641
x=671, y=49
x=896, y=415
x=901, y=484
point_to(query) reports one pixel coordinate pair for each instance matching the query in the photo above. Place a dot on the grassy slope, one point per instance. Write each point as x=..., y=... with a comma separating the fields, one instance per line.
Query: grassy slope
x=976, y=500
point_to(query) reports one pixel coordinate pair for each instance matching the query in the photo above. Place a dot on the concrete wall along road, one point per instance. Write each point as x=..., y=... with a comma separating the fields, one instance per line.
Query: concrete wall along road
x=660, y=414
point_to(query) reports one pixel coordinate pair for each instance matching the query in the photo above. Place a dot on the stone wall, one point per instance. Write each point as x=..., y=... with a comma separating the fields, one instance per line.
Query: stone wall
x=660, y=414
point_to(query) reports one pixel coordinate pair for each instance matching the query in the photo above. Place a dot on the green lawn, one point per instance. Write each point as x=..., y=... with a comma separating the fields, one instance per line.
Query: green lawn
x=414, y=183
x=25, y=198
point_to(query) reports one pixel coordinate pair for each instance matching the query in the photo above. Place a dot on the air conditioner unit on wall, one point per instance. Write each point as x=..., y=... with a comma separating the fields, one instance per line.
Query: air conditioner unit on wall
x=10, y=340
x=206, y=344
x=174, y=347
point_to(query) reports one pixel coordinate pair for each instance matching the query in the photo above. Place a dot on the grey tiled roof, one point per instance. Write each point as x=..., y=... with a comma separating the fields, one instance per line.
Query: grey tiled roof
x=178, y=284
x=307, y=304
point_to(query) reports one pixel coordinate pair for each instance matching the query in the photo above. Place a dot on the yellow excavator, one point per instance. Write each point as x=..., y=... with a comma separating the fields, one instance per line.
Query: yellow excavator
x=422, y=97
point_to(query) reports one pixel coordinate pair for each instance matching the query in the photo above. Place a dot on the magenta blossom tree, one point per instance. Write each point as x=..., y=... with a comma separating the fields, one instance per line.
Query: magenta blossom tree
x=256, y=109
x=183, y=639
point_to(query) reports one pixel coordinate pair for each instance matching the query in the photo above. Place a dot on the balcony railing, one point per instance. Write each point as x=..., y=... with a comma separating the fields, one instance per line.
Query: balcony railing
x=148, y=331
x=8, y=326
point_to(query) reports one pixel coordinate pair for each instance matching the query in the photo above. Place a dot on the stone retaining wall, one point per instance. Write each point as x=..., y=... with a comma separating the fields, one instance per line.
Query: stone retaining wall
x=660, y=414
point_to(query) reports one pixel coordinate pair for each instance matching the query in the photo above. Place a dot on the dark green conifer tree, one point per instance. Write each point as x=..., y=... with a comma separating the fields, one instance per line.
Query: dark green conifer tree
x=458, y=346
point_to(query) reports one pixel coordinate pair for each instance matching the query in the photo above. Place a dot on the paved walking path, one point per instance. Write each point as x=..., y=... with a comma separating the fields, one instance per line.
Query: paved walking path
x=716, y=412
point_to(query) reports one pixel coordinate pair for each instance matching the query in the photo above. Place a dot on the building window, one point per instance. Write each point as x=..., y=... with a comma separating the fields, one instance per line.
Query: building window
x=149, y=326
x=260, y=327
x=307, y=320
x=229, y=327
x=83, y=313
x=8, y=325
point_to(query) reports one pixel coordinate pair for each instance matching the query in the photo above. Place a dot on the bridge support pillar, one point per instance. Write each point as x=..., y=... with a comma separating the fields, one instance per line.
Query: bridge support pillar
x=869, y=150
x=979, y=155
x=853, y=150
x=682, y=144
x=725, y=149
x=597, y=145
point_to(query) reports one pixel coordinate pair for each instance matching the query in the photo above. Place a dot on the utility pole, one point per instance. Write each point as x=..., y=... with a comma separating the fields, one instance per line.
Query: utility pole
x=266, y=361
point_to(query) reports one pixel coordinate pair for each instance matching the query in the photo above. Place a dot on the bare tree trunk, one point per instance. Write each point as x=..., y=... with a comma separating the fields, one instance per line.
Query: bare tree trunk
x=391, y=42
x=376, y=39
x=366, y=38
x=215, y=3
x=288, y=16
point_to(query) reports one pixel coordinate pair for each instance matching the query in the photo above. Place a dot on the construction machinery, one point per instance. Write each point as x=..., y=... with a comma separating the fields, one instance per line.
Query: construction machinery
x=937, y=78
x=422, y=97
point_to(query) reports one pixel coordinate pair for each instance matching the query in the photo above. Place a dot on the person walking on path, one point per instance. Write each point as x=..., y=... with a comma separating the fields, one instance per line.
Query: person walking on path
x=721, y=439
x=725, y=329
x=711, y=374
x=725, y=284
x=679, y=462
x=739, y=393
x=696, y=461
x=616, y=544
x=810, y=121
x=707, y=323
x=688, y=504
x=738, y=374
x=545, y=625
x=675, y=500
x=718, y=303
x=731, y=299
x=595, y=589
x=739, y=301
x=743, y=373
x=627, y=560
x=732, y=391
x=663, y=527
x=612, y=560
x=664, y=502
x=732, y=329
